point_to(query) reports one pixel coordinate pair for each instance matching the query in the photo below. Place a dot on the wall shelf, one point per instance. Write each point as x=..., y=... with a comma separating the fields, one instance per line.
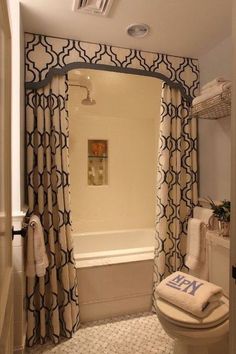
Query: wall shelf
x=97, y=157
x=97, y=162
x=215, y=107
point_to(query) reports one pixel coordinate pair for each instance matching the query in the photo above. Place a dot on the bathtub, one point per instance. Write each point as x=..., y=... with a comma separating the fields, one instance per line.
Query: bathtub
x=111, y=247
x=114, y=271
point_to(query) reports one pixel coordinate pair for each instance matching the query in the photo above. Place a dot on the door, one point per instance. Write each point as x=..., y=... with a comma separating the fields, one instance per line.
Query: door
x=6, y=273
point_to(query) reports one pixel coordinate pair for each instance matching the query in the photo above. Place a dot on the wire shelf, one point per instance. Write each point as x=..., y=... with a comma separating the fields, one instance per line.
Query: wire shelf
x=215, y=107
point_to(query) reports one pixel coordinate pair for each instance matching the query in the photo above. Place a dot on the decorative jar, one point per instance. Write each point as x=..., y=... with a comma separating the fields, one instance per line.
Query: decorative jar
x=224, y=228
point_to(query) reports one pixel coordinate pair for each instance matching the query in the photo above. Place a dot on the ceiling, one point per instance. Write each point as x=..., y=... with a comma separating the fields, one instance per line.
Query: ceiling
x=179, y=27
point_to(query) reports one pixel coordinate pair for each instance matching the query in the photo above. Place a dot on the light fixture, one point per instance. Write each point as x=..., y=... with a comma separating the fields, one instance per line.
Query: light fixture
x=138, y=30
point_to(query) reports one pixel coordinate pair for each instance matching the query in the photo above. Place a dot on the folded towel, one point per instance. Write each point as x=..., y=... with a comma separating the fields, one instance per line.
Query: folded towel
x=203, y=214
x=210, y=90
x=216, y=90
x=213, y=91
x=195, y=244
x=214, y=82
x=192, y=294
x=36, y=259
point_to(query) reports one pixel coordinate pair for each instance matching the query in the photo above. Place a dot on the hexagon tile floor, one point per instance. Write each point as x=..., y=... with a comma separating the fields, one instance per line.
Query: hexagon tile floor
x=132, y=334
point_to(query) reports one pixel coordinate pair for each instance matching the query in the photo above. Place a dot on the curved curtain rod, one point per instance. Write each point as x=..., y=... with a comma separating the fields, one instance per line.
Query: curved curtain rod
x=78, y=65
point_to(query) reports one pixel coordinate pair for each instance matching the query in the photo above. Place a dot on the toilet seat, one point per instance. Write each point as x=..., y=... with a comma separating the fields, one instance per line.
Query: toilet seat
x=182, y=318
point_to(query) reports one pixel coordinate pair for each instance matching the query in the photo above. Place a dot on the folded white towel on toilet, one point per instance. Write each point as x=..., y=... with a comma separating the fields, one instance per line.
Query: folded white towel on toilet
x=195, y=243
x=192, y=294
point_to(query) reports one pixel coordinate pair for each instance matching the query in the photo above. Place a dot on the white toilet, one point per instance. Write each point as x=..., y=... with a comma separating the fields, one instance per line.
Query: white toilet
x=210, y=334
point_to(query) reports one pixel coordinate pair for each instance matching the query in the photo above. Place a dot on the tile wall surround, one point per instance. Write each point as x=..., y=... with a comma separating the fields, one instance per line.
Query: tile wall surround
x=131, y=131
x=19, y=286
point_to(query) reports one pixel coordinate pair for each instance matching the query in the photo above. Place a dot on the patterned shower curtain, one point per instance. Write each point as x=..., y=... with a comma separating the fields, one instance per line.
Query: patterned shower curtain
x=176, y=182
x=52, y=300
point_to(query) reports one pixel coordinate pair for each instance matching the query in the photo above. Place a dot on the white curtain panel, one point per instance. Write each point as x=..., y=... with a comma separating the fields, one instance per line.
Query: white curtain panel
x=176, y=182
x=52, y=300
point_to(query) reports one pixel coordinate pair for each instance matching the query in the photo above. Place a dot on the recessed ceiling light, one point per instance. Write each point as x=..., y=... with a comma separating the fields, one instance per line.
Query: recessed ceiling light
x=138, y=30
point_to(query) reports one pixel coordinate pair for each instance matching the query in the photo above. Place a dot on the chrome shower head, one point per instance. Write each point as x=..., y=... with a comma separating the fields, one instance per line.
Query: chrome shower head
x=88, y=101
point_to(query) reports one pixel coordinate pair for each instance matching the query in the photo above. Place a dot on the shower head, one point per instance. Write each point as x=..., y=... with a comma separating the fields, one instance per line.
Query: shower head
x=88, y=101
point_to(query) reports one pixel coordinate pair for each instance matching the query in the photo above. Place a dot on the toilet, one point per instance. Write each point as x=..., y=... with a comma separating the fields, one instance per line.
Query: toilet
x=208, y=335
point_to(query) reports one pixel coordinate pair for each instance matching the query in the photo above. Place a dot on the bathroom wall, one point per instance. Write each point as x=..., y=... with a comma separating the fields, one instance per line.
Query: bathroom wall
x=127, y=114
x=214, y=135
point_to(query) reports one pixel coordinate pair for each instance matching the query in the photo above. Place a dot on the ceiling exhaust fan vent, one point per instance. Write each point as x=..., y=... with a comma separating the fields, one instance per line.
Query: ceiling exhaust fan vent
x=93, y=7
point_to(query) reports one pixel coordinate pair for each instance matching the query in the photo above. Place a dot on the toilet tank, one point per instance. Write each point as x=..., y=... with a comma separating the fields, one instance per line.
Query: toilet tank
x=218, y=257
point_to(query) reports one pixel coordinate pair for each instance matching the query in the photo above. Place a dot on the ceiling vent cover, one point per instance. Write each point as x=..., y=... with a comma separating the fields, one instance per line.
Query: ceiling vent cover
x=93, y=7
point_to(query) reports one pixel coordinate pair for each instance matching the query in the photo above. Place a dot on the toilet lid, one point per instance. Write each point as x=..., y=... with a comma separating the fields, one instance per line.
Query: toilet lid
x=182, y=318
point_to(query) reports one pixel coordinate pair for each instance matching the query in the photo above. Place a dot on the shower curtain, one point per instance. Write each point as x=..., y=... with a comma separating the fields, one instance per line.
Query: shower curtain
x=176, y=182
x=52, y=300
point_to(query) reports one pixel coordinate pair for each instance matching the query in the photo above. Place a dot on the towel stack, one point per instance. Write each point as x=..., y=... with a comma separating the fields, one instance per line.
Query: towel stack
x=192, y=294
x=212, y=88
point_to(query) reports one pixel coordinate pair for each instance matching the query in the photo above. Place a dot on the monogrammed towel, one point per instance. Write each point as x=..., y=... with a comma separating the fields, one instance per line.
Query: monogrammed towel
x=192, y=294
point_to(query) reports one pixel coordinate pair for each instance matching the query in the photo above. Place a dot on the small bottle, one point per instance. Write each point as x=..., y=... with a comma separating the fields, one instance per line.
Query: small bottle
x=91, y=173
x=100, y=173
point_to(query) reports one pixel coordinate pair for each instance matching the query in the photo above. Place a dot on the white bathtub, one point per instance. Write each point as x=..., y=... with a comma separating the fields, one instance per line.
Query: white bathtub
x=115, y=272
x=111, y=247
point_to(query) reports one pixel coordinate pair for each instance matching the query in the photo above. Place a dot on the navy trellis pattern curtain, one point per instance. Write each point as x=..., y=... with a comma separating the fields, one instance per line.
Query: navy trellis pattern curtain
x=176, y=182
x=52, y=300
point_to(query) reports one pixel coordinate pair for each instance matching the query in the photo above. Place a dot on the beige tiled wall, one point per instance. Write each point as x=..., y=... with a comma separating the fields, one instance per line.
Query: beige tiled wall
x=19, y=288
x=126, y=114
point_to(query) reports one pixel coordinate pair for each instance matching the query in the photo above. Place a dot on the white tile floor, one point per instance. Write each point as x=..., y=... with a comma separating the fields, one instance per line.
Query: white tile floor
x=132, y=334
